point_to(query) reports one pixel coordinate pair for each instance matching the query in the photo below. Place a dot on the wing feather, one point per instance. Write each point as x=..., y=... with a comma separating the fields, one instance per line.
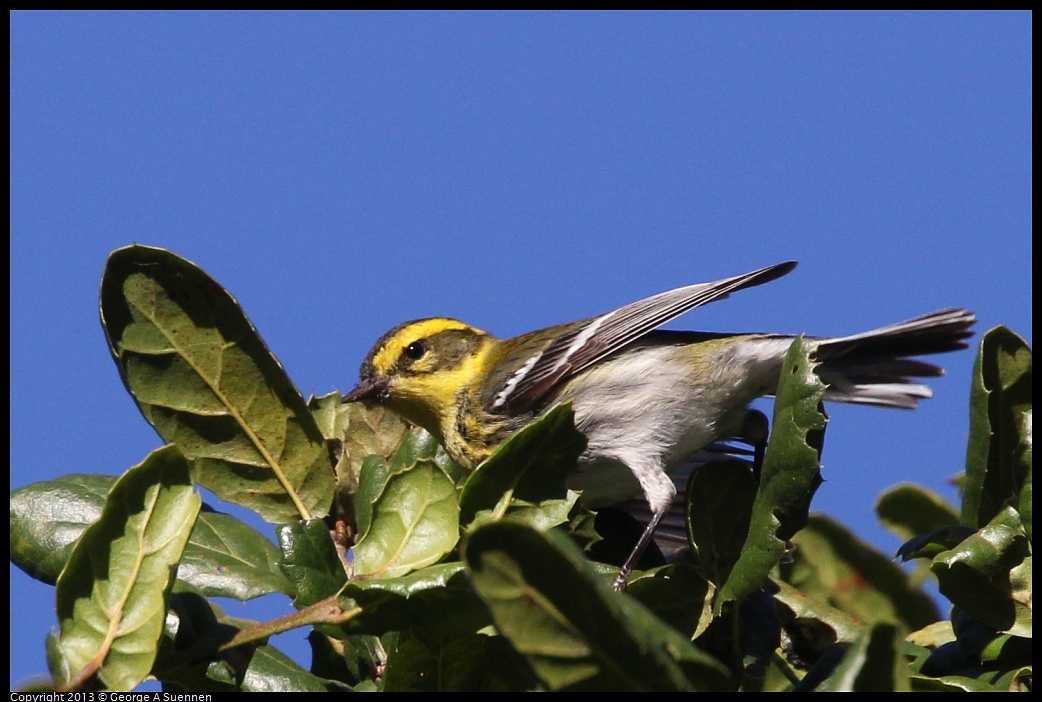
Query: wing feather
x=583, y=345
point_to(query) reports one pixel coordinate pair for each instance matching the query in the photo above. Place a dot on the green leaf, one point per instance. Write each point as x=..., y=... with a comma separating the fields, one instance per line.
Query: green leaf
x=436, y=601
x=931, y=544
x=358, y=432
x=677, y=594
x=1024, y=459
x=953, y=683
x=111, y=597
x=1006, y=650
x=415, y=514
x=759, y=633
x=824, y=624
x=270, y=670
x=789, y=478
x=834, y=566
x=933, y=635
x=471, y=663
x=874, y=663
x=227, y=558
x=989, y=575
x=204, y=379
x=575, y=632
x=909, y=510
x=528, y=469
x=362, y=430
x=224, y=557
x=1000, y=398
x=352, y=659
x=195, y=623
x=310, y=561
x=1020, y=679
x=47, y=518
x=719, y=503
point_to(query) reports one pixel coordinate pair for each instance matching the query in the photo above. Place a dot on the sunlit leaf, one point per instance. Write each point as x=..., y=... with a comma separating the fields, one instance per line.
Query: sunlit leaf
x=47, y=518
x=999, y=398
x=414, y=511
x=789, y=478
x=988, y=575
x=111, y=596
x=204, y=379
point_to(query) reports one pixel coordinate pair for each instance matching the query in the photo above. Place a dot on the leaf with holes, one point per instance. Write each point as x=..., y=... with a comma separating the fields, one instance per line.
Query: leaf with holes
x=790, y=474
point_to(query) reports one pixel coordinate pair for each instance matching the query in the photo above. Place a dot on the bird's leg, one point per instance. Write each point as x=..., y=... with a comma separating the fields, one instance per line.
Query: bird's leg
x=619, y=583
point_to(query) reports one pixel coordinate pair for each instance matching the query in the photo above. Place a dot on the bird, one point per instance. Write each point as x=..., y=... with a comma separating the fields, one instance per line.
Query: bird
x=645, y=398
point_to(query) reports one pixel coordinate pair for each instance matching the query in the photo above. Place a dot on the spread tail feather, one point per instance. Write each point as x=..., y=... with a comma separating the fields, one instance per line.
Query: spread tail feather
x=876, y=368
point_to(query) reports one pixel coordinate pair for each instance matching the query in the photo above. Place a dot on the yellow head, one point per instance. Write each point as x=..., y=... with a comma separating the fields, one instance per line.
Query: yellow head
x=419, y=369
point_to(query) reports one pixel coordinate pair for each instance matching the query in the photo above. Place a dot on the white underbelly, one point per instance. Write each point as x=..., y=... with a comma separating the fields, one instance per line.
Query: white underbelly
x=646, y=412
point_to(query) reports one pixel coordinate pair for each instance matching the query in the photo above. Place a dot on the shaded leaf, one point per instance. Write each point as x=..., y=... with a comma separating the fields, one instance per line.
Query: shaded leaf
x=436, y=601
x=528, y=469
x=1018, y=680
x=193, y=623
x=972, y=634
x=575, y=632
x=952, y=683
x=813, y=625
x=999, y=398
x=270, y=670
x=1007, y=650
x=227, y=558
x=1024, y=460
x=873, y=663
x=472, y=663
x=356, y=432
x=677, y=594
x=719, y=502
x=204, y=379
x=789, y=478
x=310, y=561
x=362, y=430
x=47, y=518
x=934, y=543
x=353, y=660
x=834, y=566
x=759, y=633
x=111, y=596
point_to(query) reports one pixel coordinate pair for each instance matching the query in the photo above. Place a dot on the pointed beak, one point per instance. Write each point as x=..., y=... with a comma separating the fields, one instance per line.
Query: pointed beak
x=369, y=389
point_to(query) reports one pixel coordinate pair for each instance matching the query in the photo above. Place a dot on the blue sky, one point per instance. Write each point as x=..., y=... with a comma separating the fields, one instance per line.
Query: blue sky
x=341, y=173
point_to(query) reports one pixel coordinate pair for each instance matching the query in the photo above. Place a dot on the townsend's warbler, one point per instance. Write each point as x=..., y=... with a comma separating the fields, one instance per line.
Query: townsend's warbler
x=645, y=399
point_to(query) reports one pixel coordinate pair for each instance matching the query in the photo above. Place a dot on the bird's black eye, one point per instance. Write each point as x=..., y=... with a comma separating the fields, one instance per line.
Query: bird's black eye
x=415, y=350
